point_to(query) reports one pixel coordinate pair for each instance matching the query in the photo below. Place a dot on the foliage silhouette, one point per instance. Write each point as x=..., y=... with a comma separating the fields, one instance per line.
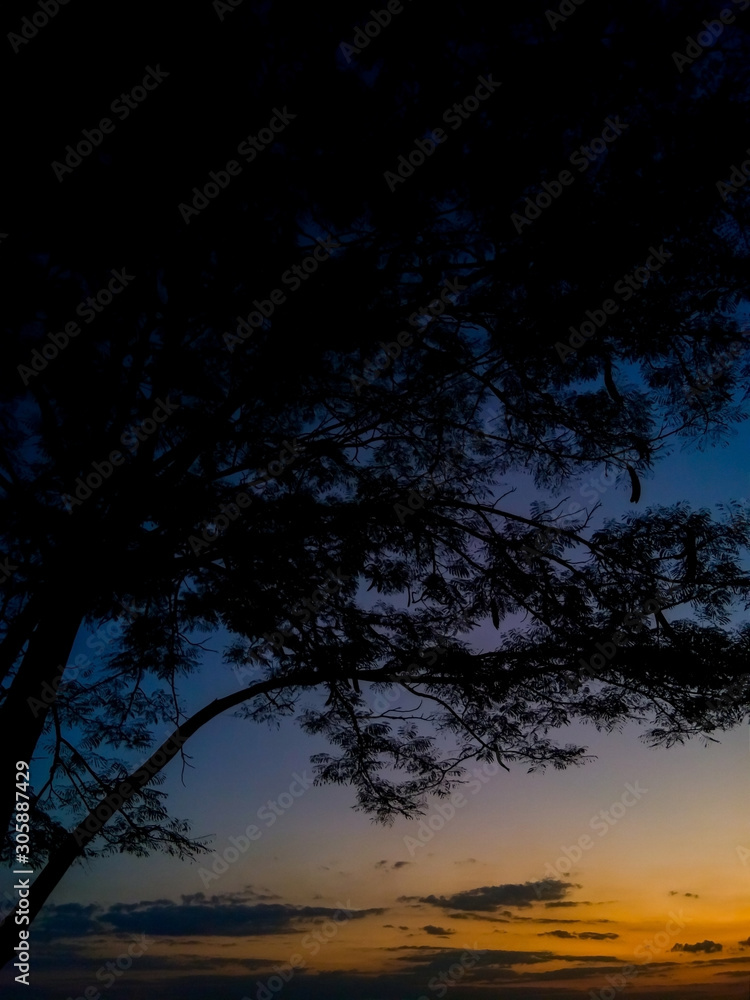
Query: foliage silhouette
x=399, y=462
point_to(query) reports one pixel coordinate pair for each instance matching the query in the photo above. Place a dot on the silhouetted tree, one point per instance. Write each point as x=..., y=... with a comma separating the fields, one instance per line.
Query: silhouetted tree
x=365, y=435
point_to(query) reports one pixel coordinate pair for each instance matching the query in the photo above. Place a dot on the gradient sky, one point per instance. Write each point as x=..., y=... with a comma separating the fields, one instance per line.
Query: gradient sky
x=664, y=876
x=628, y=876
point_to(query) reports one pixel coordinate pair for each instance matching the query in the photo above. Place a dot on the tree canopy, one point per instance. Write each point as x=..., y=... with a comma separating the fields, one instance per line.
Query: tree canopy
x=296, y=417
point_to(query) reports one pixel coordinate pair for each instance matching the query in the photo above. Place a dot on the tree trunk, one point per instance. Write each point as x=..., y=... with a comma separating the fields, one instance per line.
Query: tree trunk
x=75, y=843
x=19, y=629
x=32, y=693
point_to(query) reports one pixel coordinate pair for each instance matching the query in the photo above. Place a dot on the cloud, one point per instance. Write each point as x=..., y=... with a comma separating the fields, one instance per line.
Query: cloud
x=56, y=963
x=250, y=892
x=594, y=973
x=328, y=985
x=708, y=946
x=552, y=920
x=193, y=977
x=196, y=914
x=563, y=920
x=734, y=960
x=437, y=931
x=491, y=962
x=747, y=942
x=475, y=916
x=246, y=895
x=583, y=936
x=690, y=895
x=441, y=958
x=413, y=947
x=71, y=920
x=489, y=898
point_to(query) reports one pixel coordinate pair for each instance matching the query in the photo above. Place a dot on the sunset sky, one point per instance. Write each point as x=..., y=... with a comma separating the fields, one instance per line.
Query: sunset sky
x=626, y=876
x=660, y=869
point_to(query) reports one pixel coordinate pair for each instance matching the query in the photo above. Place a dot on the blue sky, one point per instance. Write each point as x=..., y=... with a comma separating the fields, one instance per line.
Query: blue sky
x=681, y=835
